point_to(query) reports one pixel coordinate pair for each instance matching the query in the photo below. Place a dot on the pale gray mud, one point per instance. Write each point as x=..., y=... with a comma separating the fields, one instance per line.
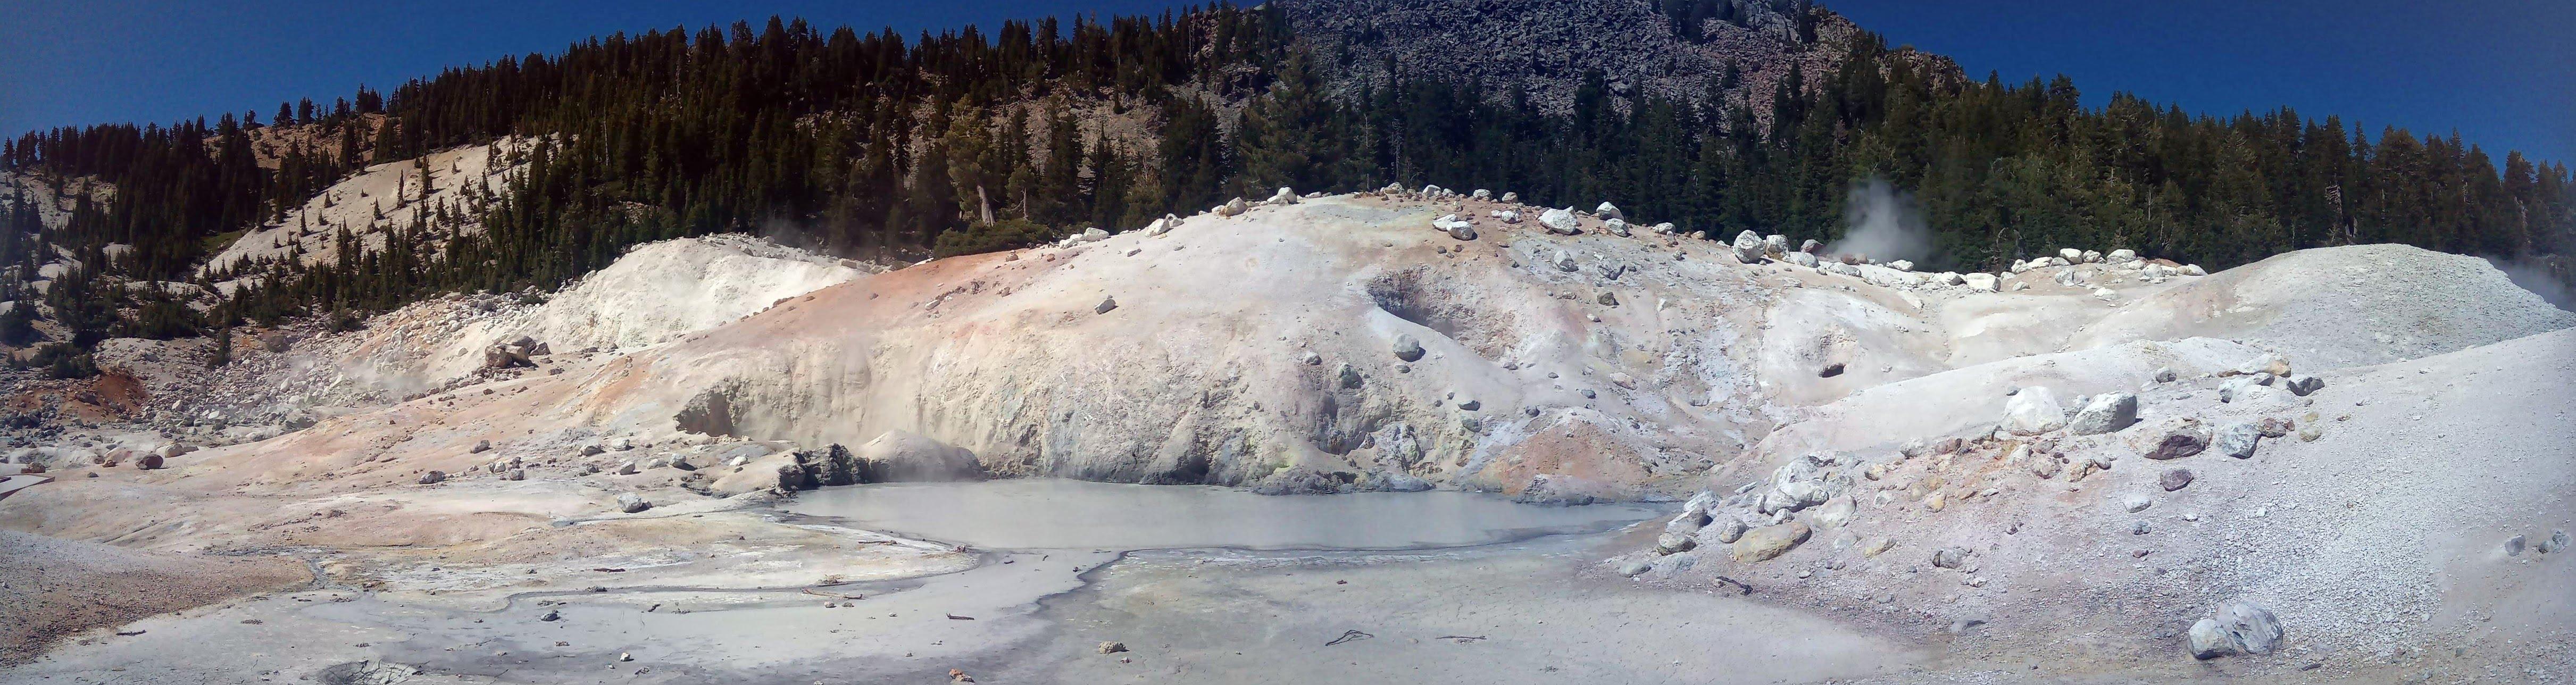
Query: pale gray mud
x=1049, y=513
x=1511, y=613
x=1202, y=585
x=1224, y=586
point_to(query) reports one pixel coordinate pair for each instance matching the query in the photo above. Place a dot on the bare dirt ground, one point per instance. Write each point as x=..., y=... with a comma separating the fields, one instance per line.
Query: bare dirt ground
x=56, y=588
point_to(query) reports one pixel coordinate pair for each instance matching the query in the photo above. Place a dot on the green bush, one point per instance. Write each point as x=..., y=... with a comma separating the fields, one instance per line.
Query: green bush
x=62, y=360
x=1000, y=235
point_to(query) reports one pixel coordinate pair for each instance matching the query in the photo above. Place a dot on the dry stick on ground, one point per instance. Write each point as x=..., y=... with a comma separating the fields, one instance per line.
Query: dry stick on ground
x=1349, y=635
x=1460, y=638
x=836, y=595
x=1748, y=589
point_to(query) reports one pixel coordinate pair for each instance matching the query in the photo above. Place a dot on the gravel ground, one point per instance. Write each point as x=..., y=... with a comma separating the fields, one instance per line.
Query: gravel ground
x=54, y=589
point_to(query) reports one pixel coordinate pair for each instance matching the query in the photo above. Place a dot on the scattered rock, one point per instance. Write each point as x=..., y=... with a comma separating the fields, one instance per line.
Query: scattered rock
x=2105, y=413
x=1564, y=262
x=1767, y=542
x=2240, y=387
x=1635, y=568
x=1407, y=348
x=2174, y=479
x=1949, y=557
x=2302, y=385
x=1559, y=221
x=1106, y=304
x=2165, y=374
x=480, y=446
x=1349, y=377
x=2513, y=546
x=631, y=503
x=1834, y=513
x=2270, y=363
x=2557, y=540
x=433, y=477
x=1674, y=543
x=1748, y=247
x=1608, y=211
x=2032, y=411
x=2238, y=439
x=2239, y=627
x=1725, y=531
x=2137, y=503
x=1113, y=646
x=2176, y=439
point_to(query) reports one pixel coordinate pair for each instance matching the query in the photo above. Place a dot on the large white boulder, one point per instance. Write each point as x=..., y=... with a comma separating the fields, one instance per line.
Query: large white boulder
x=2032, y=411
x=1559, y=221
x=2107, y=412
x=1748, y=247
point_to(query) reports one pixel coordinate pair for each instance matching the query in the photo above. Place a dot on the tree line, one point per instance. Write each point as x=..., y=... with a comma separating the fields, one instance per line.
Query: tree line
x=872, y=144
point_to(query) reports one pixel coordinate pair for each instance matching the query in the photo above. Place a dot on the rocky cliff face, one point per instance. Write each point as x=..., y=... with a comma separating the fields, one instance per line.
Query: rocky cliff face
x=1542, y=49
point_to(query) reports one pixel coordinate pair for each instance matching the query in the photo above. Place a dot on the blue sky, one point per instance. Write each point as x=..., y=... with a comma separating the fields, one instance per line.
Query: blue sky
x=2503, y=73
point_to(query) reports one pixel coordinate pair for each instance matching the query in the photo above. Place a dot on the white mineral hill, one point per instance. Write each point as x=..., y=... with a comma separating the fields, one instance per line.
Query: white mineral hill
x=1890, y=444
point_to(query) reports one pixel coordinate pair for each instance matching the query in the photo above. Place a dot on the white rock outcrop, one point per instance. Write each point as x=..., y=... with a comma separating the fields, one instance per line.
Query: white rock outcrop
x=2032, y=411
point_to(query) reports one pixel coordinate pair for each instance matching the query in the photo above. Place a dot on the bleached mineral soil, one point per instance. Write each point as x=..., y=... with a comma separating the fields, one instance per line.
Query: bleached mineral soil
x=1342, y=345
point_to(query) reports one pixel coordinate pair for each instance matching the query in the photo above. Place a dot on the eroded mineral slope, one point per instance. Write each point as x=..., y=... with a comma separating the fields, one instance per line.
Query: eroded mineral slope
x=1269, y=349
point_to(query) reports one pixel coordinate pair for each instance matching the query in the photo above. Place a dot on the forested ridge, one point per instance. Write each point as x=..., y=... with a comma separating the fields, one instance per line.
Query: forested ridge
x=872, y=144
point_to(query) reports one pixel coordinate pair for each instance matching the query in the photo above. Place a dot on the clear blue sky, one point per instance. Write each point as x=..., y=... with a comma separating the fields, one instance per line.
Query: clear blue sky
x=2503, y=73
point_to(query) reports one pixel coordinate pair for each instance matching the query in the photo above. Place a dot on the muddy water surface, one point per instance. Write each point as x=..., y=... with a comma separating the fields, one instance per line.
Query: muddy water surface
x=1043, y=513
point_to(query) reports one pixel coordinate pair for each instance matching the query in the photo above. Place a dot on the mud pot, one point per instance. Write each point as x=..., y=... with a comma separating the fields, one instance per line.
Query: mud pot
x=1199, y=584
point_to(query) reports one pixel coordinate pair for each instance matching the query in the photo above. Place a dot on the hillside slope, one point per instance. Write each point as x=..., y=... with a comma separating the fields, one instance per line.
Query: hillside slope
x=1342, y=343
x=1271, y=349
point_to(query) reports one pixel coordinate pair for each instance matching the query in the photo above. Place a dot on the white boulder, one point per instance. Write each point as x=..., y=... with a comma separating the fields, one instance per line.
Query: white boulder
x=2105, y=413
x=1559, y=221
x=2032, y=411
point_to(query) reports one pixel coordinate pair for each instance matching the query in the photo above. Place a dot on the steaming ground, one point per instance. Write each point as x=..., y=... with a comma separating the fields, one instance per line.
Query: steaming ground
x=1341, y=344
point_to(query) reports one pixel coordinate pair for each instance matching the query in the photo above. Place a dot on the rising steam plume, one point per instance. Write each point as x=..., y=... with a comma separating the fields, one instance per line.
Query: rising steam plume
x=1882, y=223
